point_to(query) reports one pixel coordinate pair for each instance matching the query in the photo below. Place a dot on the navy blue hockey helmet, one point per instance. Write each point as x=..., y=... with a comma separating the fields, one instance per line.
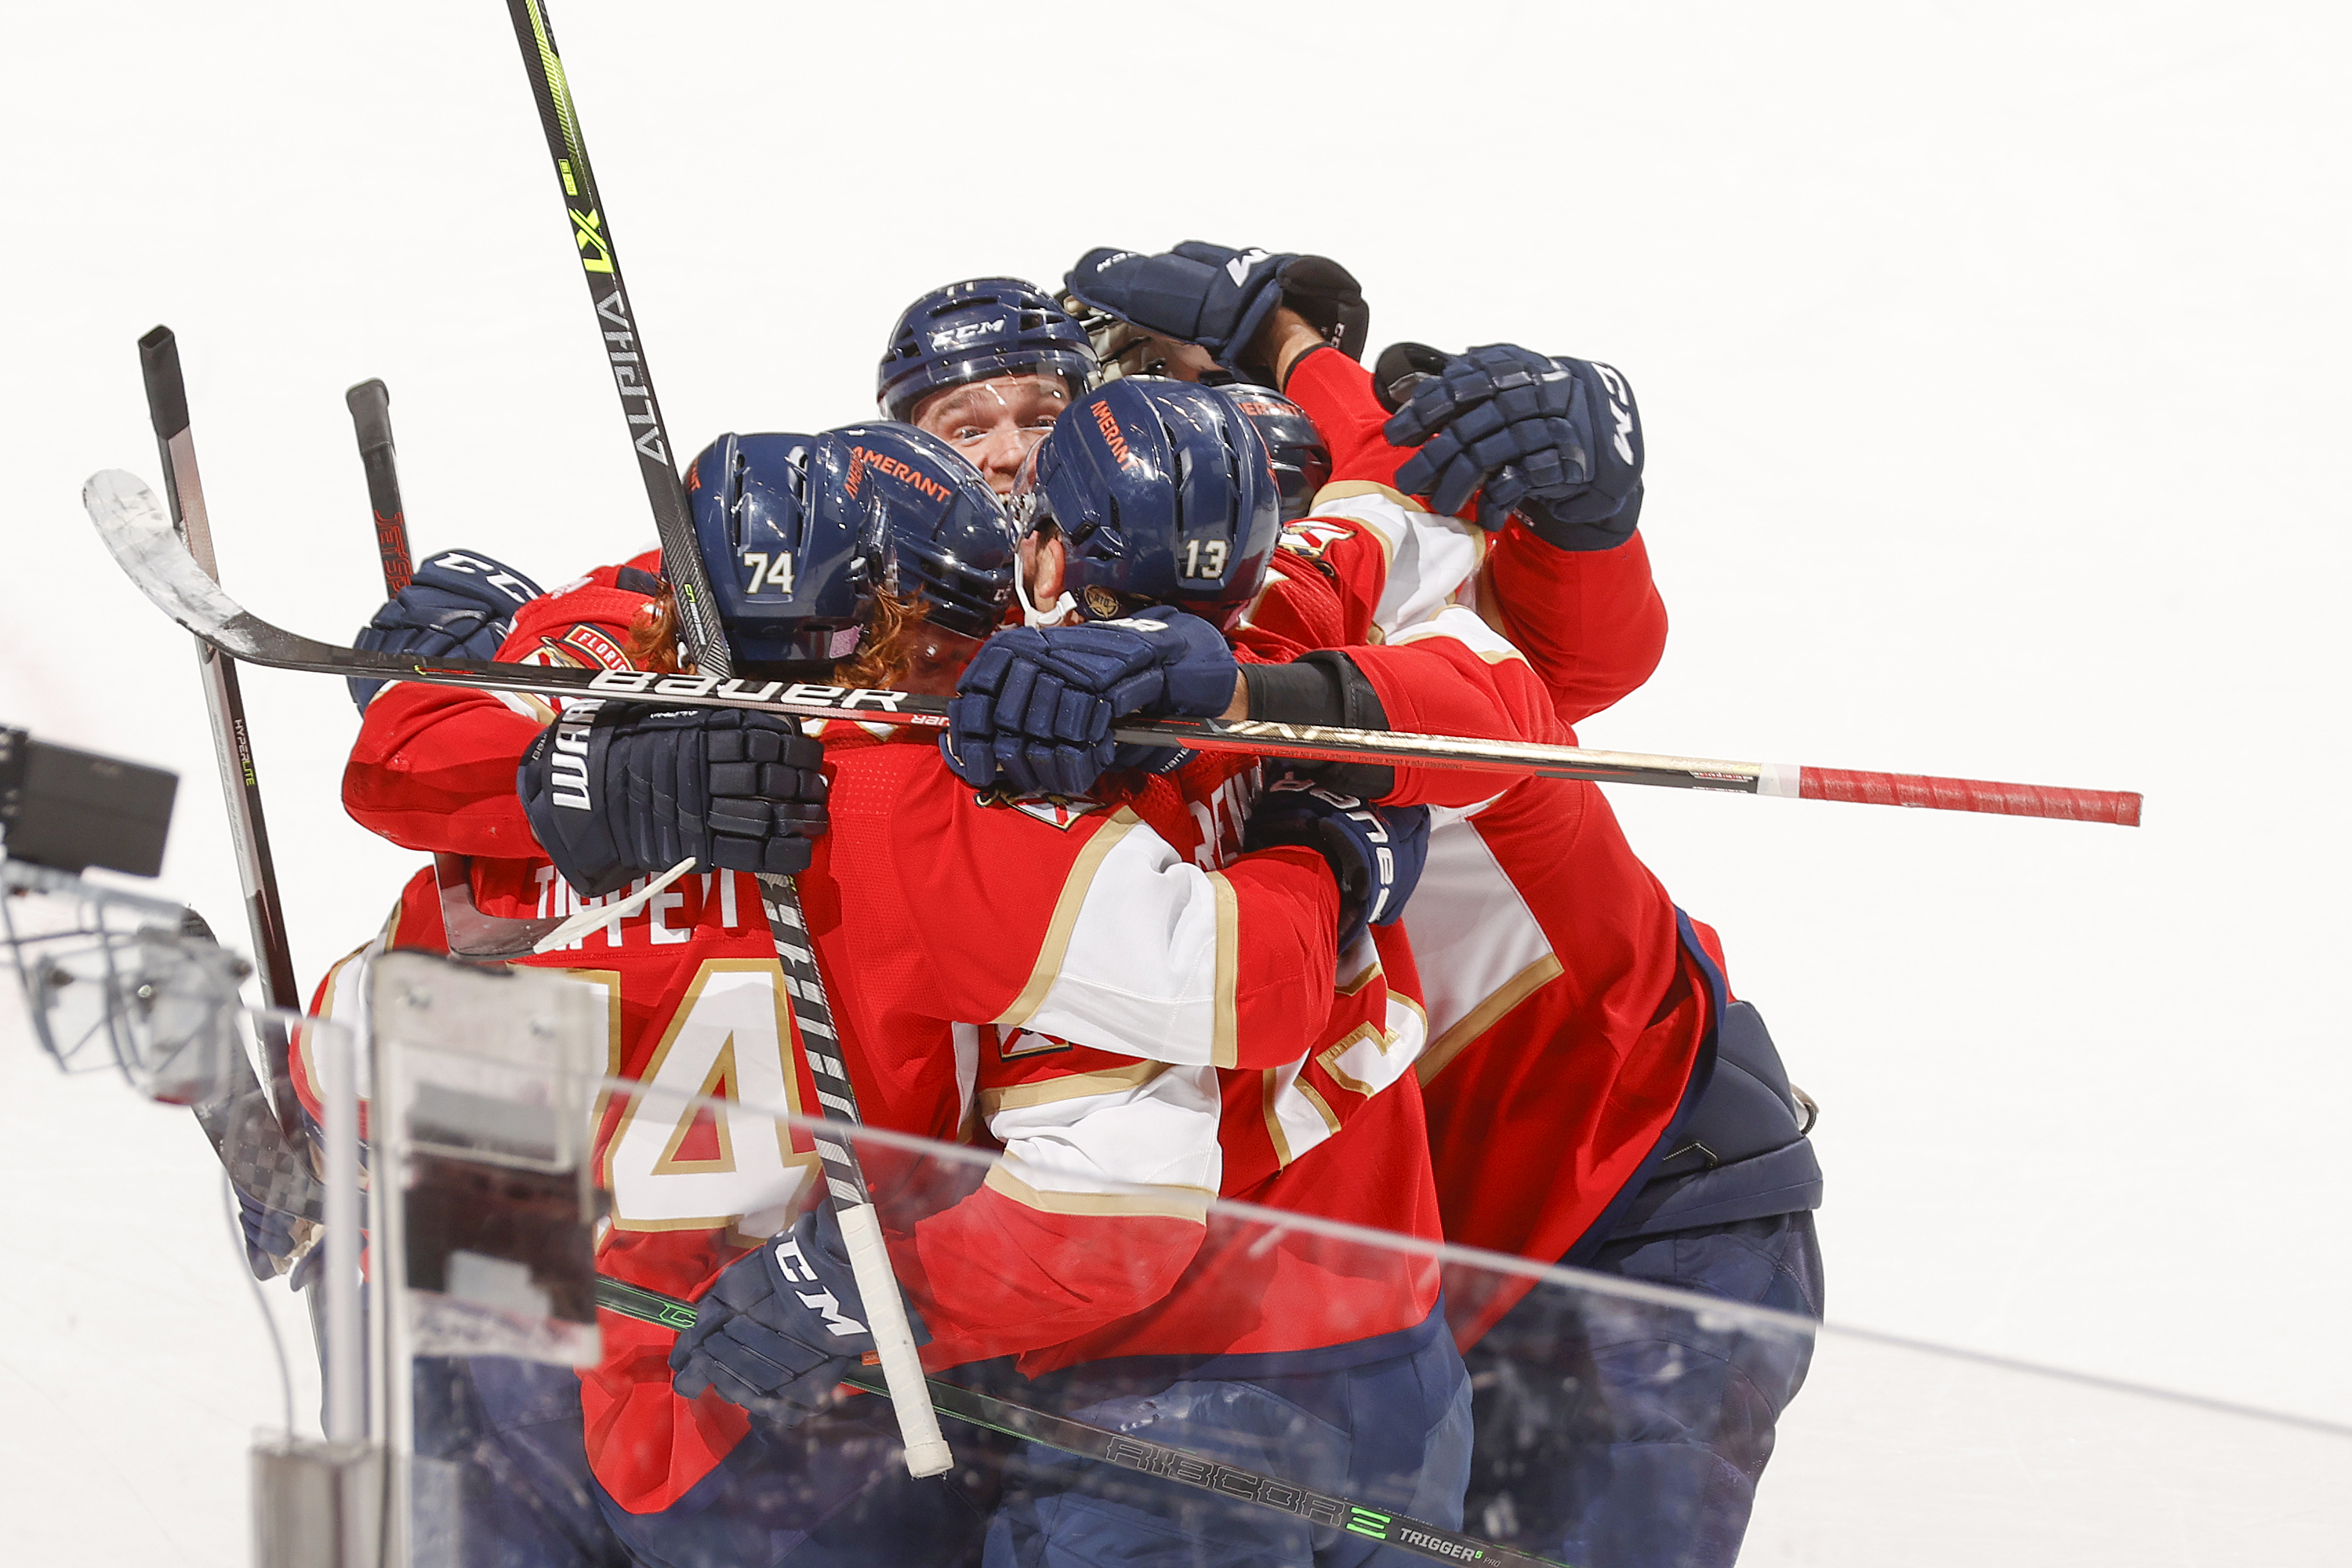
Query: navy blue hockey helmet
x=783, y=577
x=798, y=532
x=1302, y=461
x=1163, y=495
x=972, y=330
x=932, y=525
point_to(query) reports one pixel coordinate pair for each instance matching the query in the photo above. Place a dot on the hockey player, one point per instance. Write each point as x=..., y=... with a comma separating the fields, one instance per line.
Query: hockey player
x=1647, y=1466
x=1672, y=1184
x=987, y=365
x=1094, y=1096
x=611, y=1466
x=1578, y=601
x=1248, y=979
x=1301, y=457
x=1225, y=1362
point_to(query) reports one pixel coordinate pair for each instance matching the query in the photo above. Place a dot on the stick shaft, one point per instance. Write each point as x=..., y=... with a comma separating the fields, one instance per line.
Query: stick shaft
x=371, y=406
x=706, y=647
x=470, y=934
x=1086, y=1441
x=127, y=517
x=599, y=267
x=265, y=909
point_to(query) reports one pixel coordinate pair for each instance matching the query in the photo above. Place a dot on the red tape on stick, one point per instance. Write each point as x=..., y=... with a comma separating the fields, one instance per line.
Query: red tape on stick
x=2118, y=806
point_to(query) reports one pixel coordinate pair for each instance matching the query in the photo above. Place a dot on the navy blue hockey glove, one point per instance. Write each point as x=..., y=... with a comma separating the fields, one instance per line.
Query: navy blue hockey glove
x=1034, y=710
x=1557, y=441
x=616, y=791
x=1219, y=298
x=273, y=1237
x=781, y=1326
x=1376, y=851
x=460, y=604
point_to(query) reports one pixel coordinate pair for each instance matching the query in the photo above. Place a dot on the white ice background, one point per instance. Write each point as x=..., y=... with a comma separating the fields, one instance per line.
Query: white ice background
x=1993, y=363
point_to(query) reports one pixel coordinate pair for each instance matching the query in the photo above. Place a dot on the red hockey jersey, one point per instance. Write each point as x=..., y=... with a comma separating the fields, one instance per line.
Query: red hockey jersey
x=1565, y=1016
x=1083, y=921
x=1590, y=622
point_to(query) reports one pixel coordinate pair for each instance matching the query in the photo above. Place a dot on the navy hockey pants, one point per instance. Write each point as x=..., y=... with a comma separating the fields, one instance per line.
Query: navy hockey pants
x=1392, y=1434
x=1619, y=1432
x=830, y=1493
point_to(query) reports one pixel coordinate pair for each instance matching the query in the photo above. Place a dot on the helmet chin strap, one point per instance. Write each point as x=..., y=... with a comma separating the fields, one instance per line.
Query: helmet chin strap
x=1034, y=617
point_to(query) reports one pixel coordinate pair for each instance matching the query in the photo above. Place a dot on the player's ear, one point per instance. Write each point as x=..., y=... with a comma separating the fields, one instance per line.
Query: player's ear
x=1045, y=567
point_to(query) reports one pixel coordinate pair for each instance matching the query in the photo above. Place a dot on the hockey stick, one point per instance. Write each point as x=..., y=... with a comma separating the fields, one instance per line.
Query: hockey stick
x=1090, y=1442
x=705, y=646
x=471, y=935
x=167, y=410
x=127, y=515
x=371, y=406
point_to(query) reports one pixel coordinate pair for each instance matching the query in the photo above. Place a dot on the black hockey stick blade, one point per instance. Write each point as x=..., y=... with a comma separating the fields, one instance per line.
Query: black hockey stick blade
x=1155, y=1459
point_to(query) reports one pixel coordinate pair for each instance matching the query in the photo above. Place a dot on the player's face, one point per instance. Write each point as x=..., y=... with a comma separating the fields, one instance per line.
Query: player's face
x=995, y=422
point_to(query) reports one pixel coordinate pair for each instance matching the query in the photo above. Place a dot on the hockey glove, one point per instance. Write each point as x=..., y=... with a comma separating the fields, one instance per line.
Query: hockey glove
x=1034, y=710
x=274, y=1240
x=1558, y=441
x=1376, y=851
x=1219, y=298
x=460, y=604
x=616, y=791
x=781, y=1325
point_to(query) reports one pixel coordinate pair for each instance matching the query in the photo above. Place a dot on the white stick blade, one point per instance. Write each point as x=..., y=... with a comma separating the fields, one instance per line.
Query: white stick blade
x=151, y=552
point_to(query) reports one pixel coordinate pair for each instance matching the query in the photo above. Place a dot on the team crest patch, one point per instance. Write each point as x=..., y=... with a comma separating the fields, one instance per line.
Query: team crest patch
x=1054, y=811
x=1311, y=539
x=592, y=646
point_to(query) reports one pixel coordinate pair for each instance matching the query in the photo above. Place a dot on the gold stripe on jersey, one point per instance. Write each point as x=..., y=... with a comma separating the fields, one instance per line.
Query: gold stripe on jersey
x=808, y=1164
x=1224, y=1049
x=1322, y=1106
x=1163, y=1202
x=1329, y=1057
x=386, y=935
x=1487, y=1014
x=722, y=1072
x=531, y=708
x=1075, y=1086
x=1330, y=501
x=1018, y=1043
x=1056, y=945
x=1282, y=1081
x=326, y=1009
x=1462, y=624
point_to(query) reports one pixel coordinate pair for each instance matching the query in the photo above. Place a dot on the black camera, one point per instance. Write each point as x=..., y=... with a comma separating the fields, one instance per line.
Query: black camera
x=70, y=810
